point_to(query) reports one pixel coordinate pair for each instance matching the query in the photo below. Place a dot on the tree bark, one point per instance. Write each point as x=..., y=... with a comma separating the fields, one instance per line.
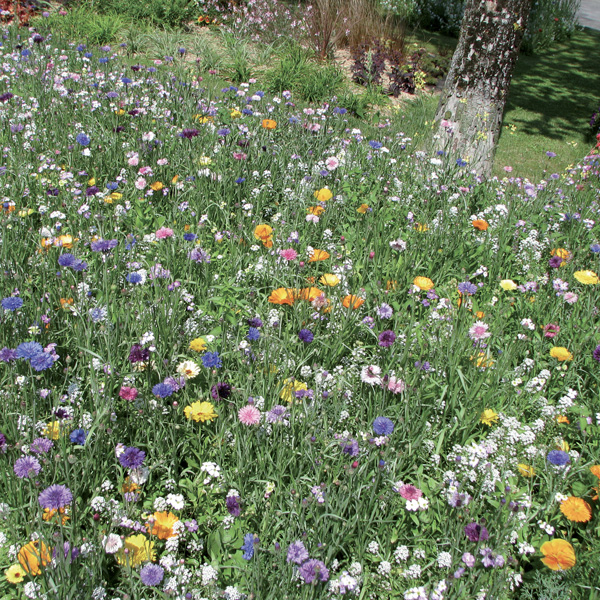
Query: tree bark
x=469, y=114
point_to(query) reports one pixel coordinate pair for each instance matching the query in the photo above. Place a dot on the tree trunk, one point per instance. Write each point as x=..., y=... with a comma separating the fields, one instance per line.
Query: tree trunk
x=469, y=114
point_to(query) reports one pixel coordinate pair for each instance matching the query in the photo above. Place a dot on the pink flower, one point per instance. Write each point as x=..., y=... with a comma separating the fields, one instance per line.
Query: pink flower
x=508, y=169
x=551, y=330
x=570, y=297
x=479, y=331
x=289, y=254
x=133, y=160
x=408, y=491
x=128, y=393
x=140, y=183
x=371, y=374
x=164, y=232
x=240, y=156
x=395, y=385
x=249, y=415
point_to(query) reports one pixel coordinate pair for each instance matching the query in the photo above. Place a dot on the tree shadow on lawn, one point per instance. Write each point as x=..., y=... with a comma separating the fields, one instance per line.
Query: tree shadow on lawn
x=555, y=93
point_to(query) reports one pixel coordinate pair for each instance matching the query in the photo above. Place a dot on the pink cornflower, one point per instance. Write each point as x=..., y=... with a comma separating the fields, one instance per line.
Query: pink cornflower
x=240, y=156
x=395, y=385
x=249, y=415
x=570, y=297
x=289, y=254
x=479, y=331
x=164, y=232
x=332, y=163
x=128, y=393
x=408, y=491
x=140, y=183
x=371, y=374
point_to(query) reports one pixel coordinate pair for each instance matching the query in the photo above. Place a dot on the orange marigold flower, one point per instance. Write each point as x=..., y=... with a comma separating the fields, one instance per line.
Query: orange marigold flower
x=309, y=293
x=315, y=210
x=319, y=255
x=269, y=124
x=264, y=234
x=558, y=555
x=362, y=209
x=354, y=301
x=480, y=224
x=576, y=509
x=58, y=516
x=563, y=419
x=162, y=526
x=595, y=469
x=283, y=296
x=33, y=556
x=157, y=186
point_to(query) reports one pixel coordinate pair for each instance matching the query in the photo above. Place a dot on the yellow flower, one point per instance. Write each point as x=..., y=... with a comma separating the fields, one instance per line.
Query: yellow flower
x=200, y=411
x=116, y=196
x=362, y=209
x=488, y=417
x=586, y=277
x=323, y=195
x=15, y=573
x=140, y=549
x=423, y=283
x=329, y=279
x=526, y=470
x=58, y=516
x=205, y=161
x=198, y=345
x=92, y=181
x=269, y=124
x=561, y=354
x=52, y=430
x=157, y=186
x=264, y=233
x=204, y=119
x=33, y=556
x=290, y=387
x=482, y=360
x=422, y=227
x=508, y=285
x=235, y=114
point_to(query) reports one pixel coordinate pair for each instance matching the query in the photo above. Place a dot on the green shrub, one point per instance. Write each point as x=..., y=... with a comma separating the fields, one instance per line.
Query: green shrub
x=171, y=14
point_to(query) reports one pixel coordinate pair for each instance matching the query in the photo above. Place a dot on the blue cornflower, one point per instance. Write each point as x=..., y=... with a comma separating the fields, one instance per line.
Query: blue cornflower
x=26, y=52
x=81, y=48
x=248, y=546
x=240, y=180
x=125, y=80
x=103, y=60
x=253, y=334
x=223, y=132
x=383, y=426
x=306, y=336
x=112, y=185
x=134, y=278
x=132, y=457
x=189, y=237
x=461, y=163
x=82, y=139
x=41, y=361
x=247, y=111
x=103, y=245
x=78, y=436
x=28, y=350
x=339, y=111
x=558, y=458
x=12, y=303
x=466, y=287
x=88, y=55
x=66, y=260
x=211, y=360
x=595, y=248
x=375, y=144
x=162, y=390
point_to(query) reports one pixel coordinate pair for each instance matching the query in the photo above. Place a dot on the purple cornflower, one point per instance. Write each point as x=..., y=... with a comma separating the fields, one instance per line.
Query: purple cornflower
x=27, y=466
x=253, y=334
x=297, y=553
x=278, y=414
x=132, y=457
x=313, y=571
x=41, y=445
x=151, y=574
x=134, y=278
x=3, y=443
x=466, y=287
x=233, y=505
x=558, y=458
x=138, y=354
x=188, y=134
x=555, y=262
x=387, y=338
x=459, y=500
x=476, y=532
x=103, y=245
x=468, y=559
x=55, y=497
x=383, y=426
x=198, y=255
x=306, y=336
x=350, y=446
x=7, y=355
x=82, y=139
x=221, y=391
x=385, y=311
x=162, y=390
x=596, y=353
x=12, y=303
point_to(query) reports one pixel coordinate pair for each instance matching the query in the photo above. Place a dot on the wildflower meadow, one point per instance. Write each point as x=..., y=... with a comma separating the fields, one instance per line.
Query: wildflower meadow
x=250, y=349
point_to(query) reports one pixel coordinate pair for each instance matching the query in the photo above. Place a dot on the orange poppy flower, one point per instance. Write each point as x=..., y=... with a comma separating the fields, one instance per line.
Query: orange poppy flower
x=323, y=195
x=480, y=224
x=269, y=124
x=318, y=255
x=354, y=301
x=558, y=555
x=264, y=233
x=576, y=509
x=33, y=556
x=162, y=527
x=283, y=296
